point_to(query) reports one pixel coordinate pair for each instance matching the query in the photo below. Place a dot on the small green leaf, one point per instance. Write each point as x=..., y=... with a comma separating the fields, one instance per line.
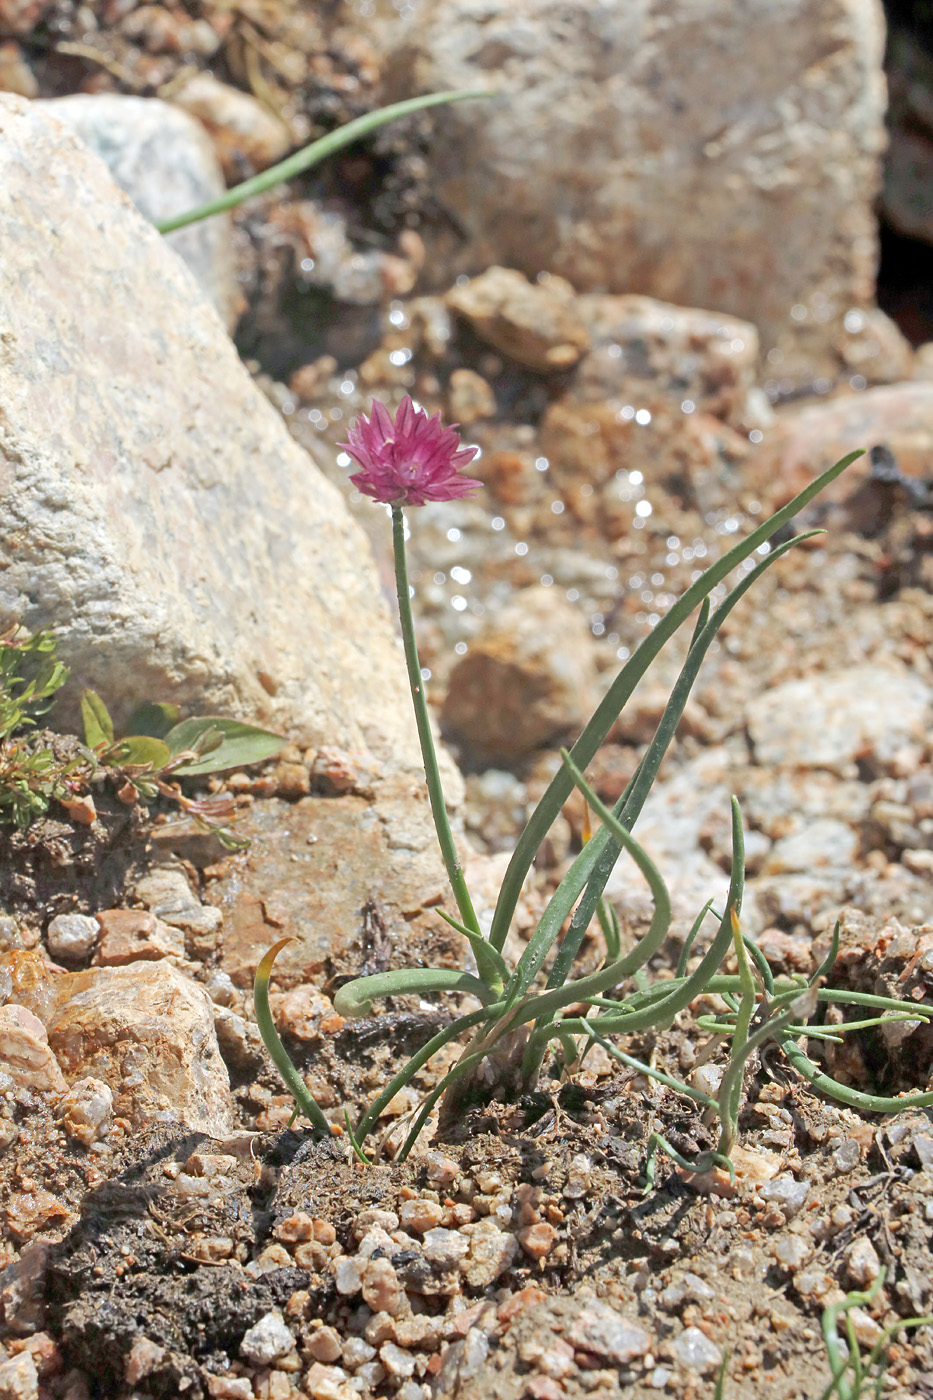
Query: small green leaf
x=238, y=744
x=152, y=719
x=138, y=750
x=98, y=726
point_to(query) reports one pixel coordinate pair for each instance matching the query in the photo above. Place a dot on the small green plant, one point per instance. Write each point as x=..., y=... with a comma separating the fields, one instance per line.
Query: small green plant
x=852, y=1377
x=409, y=461
x=160, y=746
x=31, y=775
x=37, y=769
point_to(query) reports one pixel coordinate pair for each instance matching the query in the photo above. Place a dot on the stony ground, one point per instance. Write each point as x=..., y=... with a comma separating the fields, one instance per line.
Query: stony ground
x=163, y=1229
x=519, y=1254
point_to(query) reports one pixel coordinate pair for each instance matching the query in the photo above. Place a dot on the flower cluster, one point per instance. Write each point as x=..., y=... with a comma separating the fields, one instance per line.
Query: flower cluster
x=411, y=460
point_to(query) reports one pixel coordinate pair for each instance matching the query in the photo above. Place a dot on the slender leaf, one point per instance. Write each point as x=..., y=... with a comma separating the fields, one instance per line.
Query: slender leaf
x=355, y=999
x=98, y=726
x=238, y=744
x=277, y=1052
x=311, y=155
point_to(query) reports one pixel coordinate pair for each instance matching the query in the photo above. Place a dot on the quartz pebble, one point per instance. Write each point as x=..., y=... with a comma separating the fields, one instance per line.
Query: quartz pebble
x=847, y=1155
x=19, y=1379
x=420, y=1215
x=87, y=1111
x=441, y=1171
x=444, y=1248
x=25, y=1052
x=72, y=936
x=862, y=1263
x=380, y=1287
x=267, y=1340
x=791, y=1251
x=135, y=935
x=599, y=1329
x=788, y=1195
x=329, y=1383
x=537, y=1240
x=695, y=1351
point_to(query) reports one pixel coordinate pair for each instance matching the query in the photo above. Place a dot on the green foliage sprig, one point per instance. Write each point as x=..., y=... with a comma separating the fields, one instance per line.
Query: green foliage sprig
x=38, y=769
x=160, y=746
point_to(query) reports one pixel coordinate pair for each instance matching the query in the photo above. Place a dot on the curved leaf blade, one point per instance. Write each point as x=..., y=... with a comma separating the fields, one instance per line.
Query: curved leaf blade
x=220, y=743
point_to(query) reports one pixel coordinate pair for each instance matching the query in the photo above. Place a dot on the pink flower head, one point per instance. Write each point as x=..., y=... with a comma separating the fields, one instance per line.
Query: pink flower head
x=410, y=461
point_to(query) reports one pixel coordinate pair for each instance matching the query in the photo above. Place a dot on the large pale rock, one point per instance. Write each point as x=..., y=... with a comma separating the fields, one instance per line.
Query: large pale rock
x=163, y=159
x=155, y=511
x=147, y=1032
x=708, y=153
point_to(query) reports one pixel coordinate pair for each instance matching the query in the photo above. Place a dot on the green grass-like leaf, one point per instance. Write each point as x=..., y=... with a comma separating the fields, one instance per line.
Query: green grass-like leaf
x=313, y=154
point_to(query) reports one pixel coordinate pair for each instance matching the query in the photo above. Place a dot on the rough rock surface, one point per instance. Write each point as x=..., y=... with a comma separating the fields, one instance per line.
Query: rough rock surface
x=698, y=358
x=834, y=720
x=157, y=513
x=147, y=1032
x=710, y=154
x=347, y=879
x=164, y=161
x=810, y=438
x=528, y=678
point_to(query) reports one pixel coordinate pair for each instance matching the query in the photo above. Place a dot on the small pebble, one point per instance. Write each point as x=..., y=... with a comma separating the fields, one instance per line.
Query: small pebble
x=695, y=1351
x=269, y=1339
x=324, y=1345
x=420, y=1215
x=87, y=1111
x=791, y=1252
x=397, y=1362
x=847, y=1155
x=862, y=1263
x=72, y=936
x=787, y=1194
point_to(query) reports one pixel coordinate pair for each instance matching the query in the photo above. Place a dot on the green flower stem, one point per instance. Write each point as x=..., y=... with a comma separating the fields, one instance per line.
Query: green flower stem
x=277, y=1052
x=488, y=968
x=311, y=155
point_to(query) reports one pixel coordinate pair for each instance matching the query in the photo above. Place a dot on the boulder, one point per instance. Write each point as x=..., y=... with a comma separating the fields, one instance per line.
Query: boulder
x=711, y=154
x=156, y=512
x=147, y=1032
x=163, y=159
x=527, y=680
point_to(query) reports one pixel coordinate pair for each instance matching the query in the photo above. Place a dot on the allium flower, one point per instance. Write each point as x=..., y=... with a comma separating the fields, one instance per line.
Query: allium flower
x=410, y=461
